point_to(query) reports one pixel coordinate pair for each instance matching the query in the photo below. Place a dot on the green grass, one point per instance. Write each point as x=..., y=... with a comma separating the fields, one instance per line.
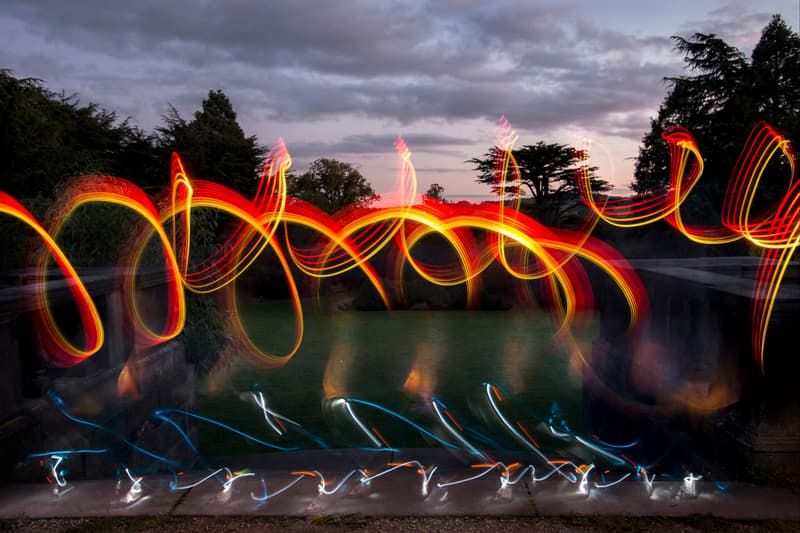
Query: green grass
x=373, y=354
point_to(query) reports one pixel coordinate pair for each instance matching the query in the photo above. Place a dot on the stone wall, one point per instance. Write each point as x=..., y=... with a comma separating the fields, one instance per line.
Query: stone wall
x=690, y=365
x=118, y=388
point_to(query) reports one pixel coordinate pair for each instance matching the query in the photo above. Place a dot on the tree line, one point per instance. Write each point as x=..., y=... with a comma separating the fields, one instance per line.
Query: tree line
x=49, y=137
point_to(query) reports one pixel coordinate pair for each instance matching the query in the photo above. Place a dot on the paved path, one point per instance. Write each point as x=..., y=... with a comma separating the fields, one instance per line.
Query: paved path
x=401, y=492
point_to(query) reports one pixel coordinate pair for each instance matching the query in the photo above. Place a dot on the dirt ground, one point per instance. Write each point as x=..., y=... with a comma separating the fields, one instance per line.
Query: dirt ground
x=337, y=523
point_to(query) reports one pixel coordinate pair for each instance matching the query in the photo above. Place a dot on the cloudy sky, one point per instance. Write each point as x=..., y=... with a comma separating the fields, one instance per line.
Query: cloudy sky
x=343, y=79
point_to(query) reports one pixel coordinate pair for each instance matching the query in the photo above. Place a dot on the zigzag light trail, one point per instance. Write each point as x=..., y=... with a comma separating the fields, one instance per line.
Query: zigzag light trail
x=508, y=474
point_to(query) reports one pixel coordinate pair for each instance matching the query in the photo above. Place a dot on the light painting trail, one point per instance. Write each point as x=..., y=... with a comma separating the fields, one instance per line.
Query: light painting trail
x=527, y=250
x=479, y=236
x=134, y=494
x=161, y=413
x=425, y=473
x=53, y=345
x=618, y=467
x=268, y=495
x=776, y=231
x=56, y=475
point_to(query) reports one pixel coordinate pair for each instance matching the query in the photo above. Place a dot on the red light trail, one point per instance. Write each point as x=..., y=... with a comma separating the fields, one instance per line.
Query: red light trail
x=479, y=235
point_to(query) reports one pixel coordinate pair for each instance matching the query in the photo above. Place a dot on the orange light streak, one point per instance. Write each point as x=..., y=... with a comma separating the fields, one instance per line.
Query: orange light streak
x=378, y=433
x=527, y=434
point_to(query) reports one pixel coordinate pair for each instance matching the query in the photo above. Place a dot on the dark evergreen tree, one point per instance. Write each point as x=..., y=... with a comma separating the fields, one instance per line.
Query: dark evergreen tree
x=719, y=102
x=774, y=78
x=48, y=137
x=213, y=146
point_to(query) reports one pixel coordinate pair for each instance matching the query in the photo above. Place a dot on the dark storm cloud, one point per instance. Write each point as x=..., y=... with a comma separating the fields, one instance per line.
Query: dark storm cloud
x=576, y=99
x=542, y=65
x=377, y=144
x=735, y=23
x=357, y=40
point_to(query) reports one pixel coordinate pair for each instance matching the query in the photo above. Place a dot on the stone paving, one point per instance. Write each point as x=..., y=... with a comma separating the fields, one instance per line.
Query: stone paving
x=398, y=493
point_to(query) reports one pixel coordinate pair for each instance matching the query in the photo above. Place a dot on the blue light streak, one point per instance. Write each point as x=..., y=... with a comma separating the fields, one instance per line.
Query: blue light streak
x=262, y=499
x=59, y=404
x=403, y=419
x=65, y=452
x=161, y=412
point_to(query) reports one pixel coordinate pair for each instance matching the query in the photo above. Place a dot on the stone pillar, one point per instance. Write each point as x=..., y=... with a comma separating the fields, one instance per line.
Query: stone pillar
x=10, y=371
x=113, y=323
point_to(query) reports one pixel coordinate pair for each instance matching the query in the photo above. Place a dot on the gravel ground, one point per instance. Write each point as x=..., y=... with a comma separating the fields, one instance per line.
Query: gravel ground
x=334, y=523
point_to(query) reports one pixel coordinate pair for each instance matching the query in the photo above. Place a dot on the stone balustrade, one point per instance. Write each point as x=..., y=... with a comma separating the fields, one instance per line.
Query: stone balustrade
x=159, y=376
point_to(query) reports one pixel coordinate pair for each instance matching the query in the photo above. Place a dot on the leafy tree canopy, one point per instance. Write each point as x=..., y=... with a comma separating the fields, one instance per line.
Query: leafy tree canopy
x=436, y=192
x=330, y=185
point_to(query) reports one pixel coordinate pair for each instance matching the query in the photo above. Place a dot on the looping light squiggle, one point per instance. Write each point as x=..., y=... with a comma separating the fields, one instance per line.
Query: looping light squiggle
x=775, y=231
x=396, y=223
